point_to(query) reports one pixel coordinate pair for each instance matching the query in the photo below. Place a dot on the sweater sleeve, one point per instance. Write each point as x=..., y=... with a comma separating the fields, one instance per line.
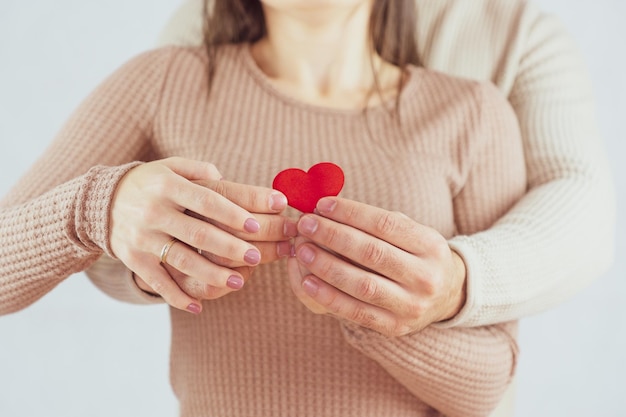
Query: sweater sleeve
x=464, y=371
x=55, y=220
x=460, y=372
x=559, y=237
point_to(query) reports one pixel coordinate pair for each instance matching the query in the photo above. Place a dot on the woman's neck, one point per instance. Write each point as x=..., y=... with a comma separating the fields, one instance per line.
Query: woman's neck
x=323, y=55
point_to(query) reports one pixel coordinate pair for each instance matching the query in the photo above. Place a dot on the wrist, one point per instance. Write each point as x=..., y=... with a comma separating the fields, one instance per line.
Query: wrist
x=458, y=289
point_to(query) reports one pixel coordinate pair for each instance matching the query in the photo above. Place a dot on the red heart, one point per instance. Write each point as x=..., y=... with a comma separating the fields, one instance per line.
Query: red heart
x=304, y=189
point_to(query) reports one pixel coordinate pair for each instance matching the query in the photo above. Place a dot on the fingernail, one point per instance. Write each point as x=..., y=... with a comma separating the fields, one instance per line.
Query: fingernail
x=283, y=249
x=306, y=255
x=277, y=201
x=310, y=287
x=194, y=308
x=326, y=205
x=290, y=229
x=307, y=225
x=234, y=282
x=252, y=257
x=251, y=226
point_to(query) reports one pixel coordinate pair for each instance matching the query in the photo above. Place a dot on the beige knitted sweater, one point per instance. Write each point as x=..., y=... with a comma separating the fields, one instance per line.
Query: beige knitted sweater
x=559, y=237
x=454, y=163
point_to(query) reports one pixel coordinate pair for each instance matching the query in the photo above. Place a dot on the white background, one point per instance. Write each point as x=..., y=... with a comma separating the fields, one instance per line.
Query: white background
x=78, y=353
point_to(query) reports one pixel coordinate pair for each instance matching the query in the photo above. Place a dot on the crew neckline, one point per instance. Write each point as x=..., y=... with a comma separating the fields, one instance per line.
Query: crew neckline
x=262, y=79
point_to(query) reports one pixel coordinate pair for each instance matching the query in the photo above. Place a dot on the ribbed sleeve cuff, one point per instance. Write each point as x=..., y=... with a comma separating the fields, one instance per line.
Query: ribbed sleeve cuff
x=92, y=209
x=474, y=267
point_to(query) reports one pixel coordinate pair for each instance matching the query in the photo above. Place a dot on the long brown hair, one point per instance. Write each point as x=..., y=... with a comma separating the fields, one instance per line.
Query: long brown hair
x=392, y=29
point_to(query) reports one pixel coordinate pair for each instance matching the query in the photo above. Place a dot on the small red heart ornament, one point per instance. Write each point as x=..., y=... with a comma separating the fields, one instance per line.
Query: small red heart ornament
x=304, y=189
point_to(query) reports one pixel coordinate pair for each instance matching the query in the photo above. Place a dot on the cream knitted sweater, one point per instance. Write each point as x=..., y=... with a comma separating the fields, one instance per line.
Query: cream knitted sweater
x=259, y=352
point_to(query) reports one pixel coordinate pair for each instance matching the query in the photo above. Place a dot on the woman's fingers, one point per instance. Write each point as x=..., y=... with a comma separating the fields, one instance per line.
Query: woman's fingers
x=190, y=262
x=270, y=252
x=208, y=203
x=200, y=289
x=207, y=237
x=189, y=196
x=151, y=207
x=252, y=198
x=273, y=228
x=157, y=278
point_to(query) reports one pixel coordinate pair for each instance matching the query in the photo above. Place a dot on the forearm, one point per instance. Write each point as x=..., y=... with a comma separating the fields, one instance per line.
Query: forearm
x=55, y=221
x=503, y=285
x=459, y=372
x=560, y=235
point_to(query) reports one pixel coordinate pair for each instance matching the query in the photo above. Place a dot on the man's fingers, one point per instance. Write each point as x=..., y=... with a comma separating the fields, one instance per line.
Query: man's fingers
x=295, y=274
x=392, y=227
x=358, y=247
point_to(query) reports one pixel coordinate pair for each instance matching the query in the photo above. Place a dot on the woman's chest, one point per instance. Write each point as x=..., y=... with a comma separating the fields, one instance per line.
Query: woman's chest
x=385, y=166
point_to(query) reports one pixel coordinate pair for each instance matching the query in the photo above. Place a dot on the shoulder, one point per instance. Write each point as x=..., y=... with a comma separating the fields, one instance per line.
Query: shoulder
x=460, y=106
x=481, y=39
x=436, y=86
x=179, y=65
x=165, y=58
x=153, y=65
x=470, y=11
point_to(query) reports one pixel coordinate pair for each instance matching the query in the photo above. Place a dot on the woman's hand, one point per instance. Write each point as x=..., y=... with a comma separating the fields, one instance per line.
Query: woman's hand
x=273, y=240
x=376, y=268
x=181, y=199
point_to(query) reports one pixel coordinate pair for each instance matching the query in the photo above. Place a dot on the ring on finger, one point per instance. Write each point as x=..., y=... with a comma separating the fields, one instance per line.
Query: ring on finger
x=166, y=249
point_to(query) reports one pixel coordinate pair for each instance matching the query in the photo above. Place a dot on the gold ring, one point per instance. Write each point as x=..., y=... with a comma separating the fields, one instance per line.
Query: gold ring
x=166, y=249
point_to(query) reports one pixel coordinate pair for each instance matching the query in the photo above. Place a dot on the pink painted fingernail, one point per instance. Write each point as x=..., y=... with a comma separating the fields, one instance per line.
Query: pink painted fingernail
x=251, y=226
x=306, y=254
x=283, y=249
x=234, y=282
x=290, y=229
x=326, y=205
x=310, y=287
x=194, y=308
x=278, y=201
x=307, y=225
x=252, y=257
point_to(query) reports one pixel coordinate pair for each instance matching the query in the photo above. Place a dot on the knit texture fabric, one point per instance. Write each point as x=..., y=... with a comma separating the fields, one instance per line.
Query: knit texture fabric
x=560, y=236
x=453, y=161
